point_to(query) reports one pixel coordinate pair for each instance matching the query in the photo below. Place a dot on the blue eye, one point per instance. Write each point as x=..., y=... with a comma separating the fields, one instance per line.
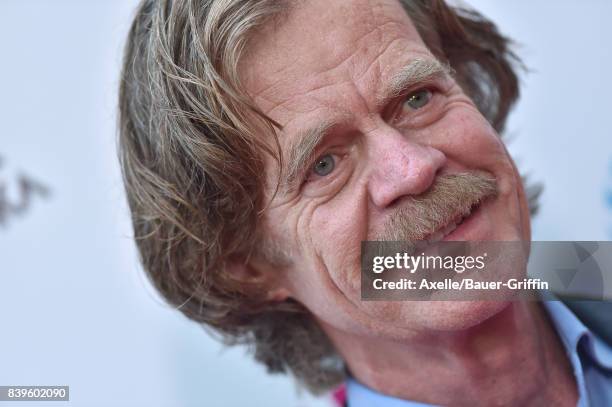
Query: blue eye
x=324, y=165
x=418, y=99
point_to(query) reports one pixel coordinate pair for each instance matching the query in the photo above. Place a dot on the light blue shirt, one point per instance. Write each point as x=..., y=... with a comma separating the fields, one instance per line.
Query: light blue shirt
x=590, y=356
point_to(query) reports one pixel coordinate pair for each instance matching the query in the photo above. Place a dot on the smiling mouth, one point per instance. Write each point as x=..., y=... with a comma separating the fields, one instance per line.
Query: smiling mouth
x=456, y=222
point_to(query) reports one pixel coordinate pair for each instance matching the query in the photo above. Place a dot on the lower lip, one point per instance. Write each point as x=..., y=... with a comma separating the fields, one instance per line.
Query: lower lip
x=468, y=229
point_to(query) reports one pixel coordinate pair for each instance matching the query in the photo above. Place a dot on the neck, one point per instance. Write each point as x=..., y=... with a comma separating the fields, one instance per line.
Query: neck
x=513, y=358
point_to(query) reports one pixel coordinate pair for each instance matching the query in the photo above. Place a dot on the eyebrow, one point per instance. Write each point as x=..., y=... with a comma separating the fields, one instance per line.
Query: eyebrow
x=417, y=71
x=301, y=152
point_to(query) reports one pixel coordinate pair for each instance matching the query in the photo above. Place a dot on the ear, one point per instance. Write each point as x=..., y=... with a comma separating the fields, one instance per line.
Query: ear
x=257, y=276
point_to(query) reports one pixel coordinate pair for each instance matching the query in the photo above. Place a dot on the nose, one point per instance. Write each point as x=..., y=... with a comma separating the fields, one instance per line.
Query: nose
x=400, y=167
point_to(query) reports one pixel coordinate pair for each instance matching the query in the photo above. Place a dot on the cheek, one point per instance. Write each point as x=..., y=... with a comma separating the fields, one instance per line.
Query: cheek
x=326, y=272
x=465, y=136
x=339, y=226
x=470, y=142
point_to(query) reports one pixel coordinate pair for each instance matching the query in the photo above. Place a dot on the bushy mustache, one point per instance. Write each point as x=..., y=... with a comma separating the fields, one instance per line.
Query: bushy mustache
x=451, y=196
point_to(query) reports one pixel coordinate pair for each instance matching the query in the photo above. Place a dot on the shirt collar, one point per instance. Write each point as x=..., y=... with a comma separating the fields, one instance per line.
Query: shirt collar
x=359, y=395
x=576, y=336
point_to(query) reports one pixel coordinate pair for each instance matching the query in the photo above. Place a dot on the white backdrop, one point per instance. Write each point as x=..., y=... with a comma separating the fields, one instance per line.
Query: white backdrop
x=75, y=308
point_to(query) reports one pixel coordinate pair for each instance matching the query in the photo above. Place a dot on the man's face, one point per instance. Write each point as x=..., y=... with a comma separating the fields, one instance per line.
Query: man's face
x=369, y=121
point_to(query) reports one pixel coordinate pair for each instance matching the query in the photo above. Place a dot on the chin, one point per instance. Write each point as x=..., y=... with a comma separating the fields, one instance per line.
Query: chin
x=456, y=315
x=398, y=319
